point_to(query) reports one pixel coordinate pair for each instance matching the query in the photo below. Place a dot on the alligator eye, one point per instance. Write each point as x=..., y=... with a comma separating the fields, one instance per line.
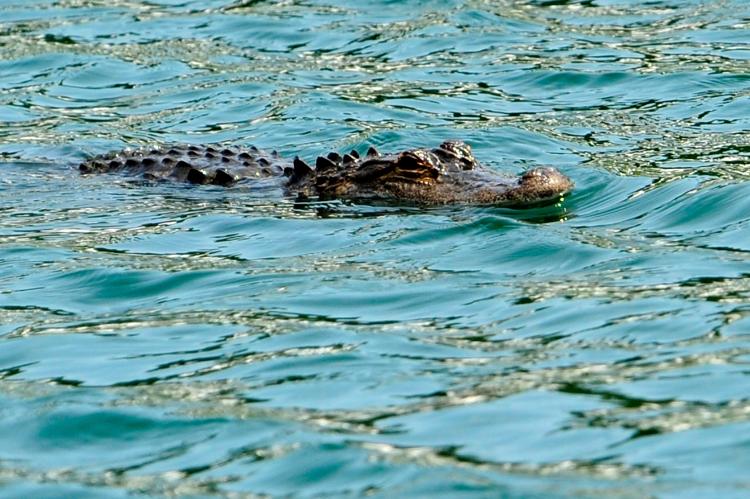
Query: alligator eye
x=467, y=163
x=409, y=162
x=457, y=146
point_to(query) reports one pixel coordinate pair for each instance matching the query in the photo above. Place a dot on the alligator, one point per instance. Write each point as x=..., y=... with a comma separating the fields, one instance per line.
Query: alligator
x=447, y=174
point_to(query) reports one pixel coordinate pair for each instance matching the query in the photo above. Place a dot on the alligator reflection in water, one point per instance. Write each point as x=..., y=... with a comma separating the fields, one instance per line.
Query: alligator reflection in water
x=447, y=174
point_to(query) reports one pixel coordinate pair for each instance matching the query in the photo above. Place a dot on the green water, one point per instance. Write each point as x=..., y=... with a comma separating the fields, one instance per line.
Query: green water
x=161, y=340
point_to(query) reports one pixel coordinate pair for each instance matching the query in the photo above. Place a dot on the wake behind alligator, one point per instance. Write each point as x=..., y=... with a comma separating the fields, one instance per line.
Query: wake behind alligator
x=447, y=174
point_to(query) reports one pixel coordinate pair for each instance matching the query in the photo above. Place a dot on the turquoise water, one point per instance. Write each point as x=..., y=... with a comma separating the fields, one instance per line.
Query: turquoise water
x=167, y=340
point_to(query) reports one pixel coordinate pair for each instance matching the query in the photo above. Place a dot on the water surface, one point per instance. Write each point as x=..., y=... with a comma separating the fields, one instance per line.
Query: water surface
x=169, y=340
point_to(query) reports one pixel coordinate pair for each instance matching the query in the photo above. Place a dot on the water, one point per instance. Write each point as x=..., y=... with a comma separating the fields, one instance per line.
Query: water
x=168, y=340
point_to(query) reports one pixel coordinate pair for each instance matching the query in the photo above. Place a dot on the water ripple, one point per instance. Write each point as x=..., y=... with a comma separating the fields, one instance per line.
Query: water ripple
x=168, y=340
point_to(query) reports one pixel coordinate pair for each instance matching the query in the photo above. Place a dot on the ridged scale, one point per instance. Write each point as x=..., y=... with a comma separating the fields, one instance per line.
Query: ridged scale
x=193, y=163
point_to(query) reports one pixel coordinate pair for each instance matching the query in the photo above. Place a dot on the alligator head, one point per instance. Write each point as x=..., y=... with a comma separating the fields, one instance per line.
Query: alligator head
x=448, y=174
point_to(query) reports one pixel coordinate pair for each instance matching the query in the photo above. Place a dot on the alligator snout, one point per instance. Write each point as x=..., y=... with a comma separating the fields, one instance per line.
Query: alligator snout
x=547, y=175
x=544, y=184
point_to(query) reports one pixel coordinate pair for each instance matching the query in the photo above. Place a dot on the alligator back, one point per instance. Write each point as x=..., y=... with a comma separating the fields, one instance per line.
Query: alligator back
x=195, y=164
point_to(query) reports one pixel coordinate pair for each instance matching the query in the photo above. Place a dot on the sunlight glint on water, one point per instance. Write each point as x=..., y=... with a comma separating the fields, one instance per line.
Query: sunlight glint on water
x=165, y=340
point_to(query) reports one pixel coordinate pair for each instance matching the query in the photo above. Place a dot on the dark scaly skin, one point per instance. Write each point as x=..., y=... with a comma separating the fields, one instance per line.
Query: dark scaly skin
x=194, y=164
x=448, y=174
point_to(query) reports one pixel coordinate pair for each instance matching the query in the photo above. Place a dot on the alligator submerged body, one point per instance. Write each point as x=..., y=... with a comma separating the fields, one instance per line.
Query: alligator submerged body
x=447, y=174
